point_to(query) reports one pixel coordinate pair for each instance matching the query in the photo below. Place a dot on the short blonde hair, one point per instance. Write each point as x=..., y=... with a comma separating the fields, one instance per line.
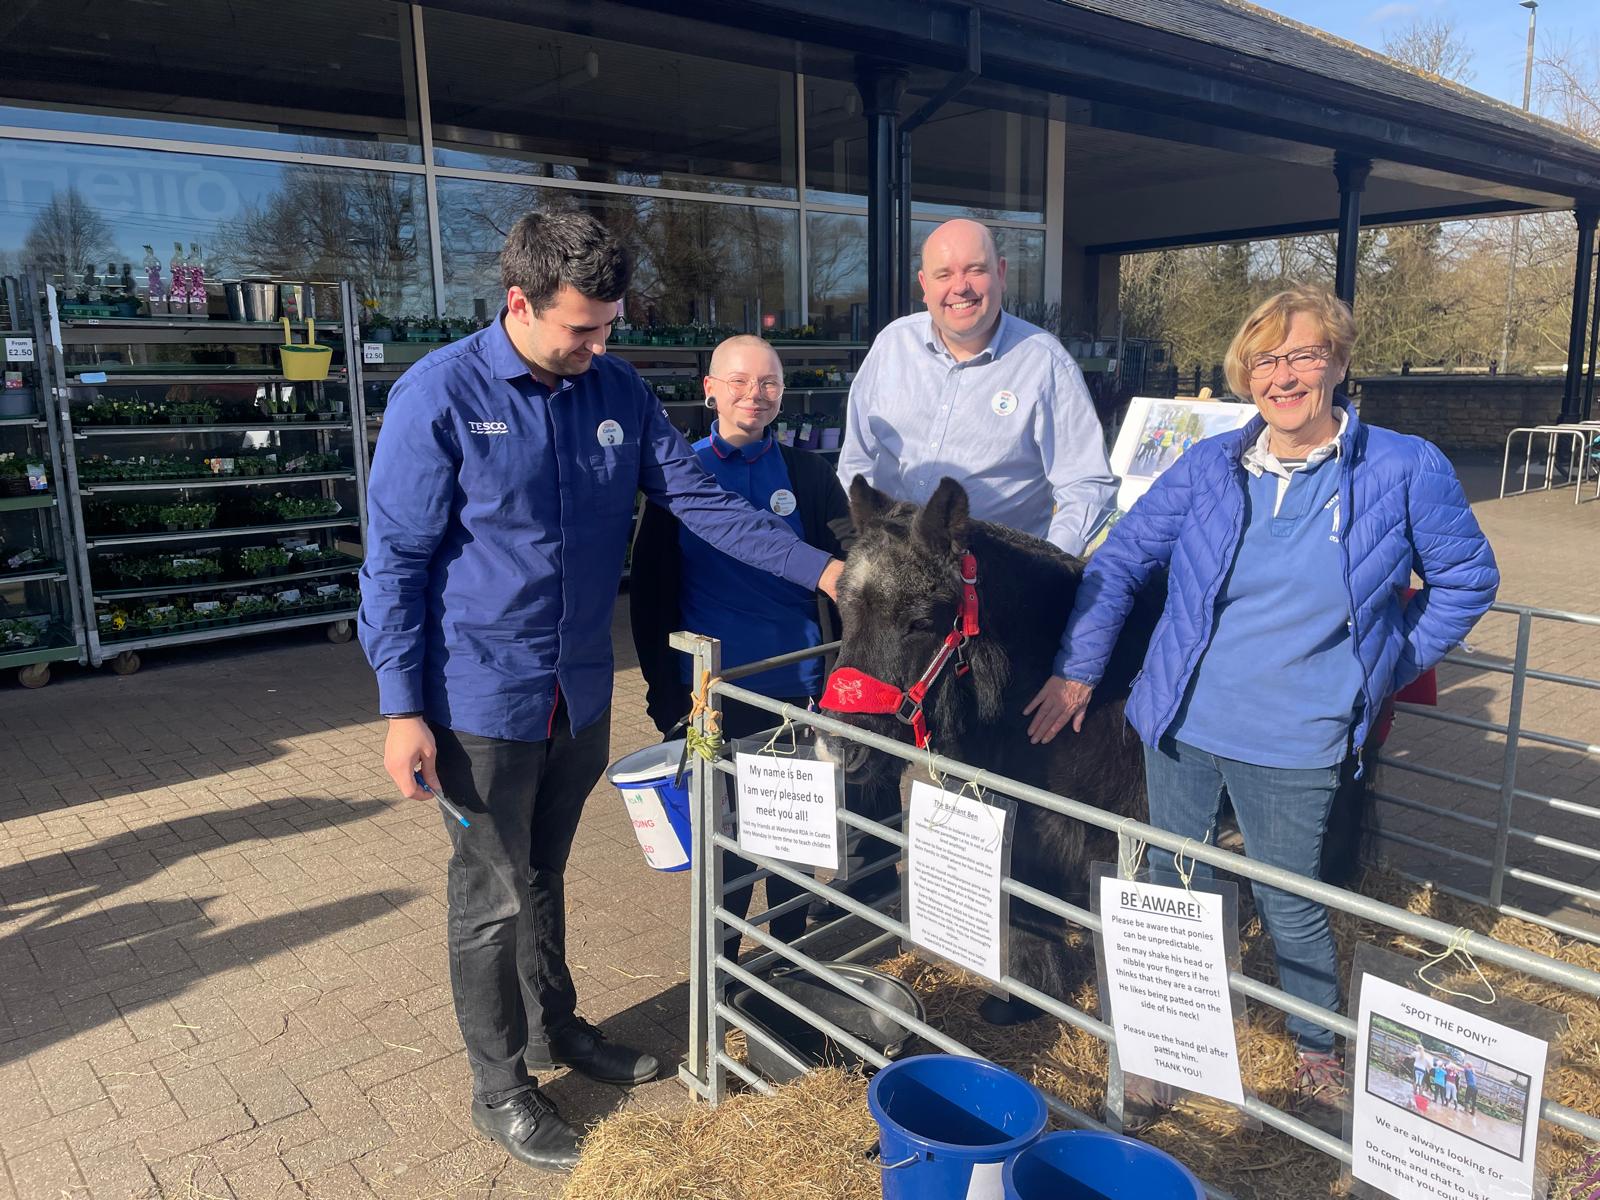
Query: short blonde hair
x=1269, y=325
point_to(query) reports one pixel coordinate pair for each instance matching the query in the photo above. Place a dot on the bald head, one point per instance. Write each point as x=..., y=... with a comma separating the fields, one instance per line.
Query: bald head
x=745, y=386
x=962, y=238
x=754, y=354
x=963, y=282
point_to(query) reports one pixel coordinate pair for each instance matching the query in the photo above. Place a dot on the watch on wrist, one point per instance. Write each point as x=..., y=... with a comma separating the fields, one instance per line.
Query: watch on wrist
x=399, y=716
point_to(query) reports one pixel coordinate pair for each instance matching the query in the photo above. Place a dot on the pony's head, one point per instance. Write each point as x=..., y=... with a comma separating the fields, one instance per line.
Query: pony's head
x=900, y=597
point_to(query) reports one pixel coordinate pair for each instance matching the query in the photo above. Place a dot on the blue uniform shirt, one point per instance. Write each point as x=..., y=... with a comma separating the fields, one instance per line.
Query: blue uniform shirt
x=755, y=615
x=1281, y=649
x=498, y=513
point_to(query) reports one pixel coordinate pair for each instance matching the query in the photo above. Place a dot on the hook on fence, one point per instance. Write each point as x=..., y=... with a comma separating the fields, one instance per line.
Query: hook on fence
x=1457, y=948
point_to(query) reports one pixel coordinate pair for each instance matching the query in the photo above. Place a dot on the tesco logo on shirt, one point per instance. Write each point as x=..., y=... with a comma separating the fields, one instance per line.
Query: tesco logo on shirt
x=487, y=427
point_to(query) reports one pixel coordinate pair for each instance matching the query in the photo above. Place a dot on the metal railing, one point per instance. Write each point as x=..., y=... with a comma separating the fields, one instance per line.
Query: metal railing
x=708, y=1067
x=1498, y=865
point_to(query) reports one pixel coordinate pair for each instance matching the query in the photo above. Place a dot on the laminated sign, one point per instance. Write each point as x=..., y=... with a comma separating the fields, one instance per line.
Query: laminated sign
x=789, y=808
x=1164, y=965
x=957, y=852
x=1446, y=1101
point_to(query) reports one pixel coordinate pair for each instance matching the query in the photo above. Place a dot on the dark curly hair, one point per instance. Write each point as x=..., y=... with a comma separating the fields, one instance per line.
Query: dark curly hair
x=545, y=250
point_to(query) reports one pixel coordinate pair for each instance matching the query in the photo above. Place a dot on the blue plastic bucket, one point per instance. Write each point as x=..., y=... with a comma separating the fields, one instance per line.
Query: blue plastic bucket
x=1084, y=1165
x=946, y=1126
x=658, y=809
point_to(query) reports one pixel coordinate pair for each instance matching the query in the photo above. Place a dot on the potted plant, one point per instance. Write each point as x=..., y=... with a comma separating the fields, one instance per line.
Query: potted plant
x=264, y=560
x=187, y=516
x=380, y=327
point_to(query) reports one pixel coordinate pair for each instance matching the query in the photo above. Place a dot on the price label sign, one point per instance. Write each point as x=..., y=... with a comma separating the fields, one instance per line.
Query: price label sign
x=19, y=349
x=372, y=352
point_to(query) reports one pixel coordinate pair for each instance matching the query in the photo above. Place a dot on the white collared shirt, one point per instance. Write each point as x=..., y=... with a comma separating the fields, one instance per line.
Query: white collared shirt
x=1259, y=459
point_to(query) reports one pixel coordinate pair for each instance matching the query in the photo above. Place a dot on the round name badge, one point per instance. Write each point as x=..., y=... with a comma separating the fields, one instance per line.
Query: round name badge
x=1004, y=403
x=609, y=433
x=782, y=502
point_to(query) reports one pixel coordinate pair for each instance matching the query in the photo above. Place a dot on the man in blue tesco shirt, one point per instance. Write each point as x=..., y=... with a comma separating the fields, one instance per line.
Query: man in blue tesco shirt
x=499, y=510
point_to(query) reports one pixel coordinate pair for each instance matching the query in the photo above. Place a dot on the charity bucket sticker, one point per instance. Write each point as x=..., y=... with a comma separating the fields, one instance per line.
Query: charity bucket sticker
x=782, y=502
x=609, y=433
x=1004, y=403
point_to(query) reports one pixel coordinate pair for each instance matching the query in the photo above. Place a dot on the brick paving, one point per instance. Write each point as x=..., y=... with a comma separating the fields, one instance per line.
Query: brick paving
x=222, y=968
x=221, y=944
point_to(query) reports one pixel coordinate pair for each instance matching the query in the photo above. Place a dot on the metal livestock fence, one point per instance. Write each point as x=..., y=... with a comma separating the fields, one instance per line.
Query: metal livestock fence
x=709, y=1065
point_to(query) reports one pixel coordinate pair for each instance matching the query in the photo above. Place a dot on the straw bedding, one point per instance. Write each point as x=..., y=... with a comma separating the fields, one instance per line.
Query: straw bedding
x=810, y=1139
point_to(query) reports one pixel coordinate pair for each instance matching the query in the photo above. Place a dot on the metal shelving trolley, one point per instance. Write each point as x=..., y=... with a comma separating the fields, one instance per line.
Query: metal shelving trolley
x=211, y=496
x=40, y=621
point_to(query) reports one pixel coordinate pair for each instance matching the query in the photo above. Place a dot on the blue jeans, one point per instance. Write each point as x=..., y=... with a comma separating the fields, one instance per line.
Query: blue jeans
x=1283, y=813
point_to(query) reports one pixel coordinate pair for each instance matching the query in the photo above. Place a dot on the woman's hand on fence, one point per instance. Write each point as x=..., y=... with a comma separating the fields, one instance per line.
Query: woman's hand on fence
x=1058, y=702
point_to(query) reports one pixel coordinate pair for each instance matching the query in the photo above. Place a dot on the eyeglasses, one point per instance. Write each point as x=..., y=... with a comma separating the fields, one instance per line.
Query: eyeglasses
x=1304, y=361
x=770, y=388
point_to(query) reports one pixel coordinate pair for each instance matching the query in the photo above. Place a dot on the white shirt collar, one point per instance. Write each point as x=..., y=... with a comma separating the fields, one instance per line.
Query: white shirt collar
x=990, y=350
x=1258, y=458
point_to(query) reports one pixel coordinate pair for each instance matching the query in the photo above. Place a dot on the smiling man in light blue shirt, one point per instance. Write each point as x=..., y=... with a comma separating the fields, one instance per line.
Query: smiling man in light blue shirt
x=972, y=392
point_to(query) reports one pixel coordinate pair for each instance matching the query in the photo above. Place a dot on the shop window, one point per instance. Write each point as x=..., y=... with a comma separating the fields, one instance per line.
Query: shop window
x=836, y=254
x=966, y=161
x=596, y=111
x=66, y=207
x=732, y=265
x=319, y=76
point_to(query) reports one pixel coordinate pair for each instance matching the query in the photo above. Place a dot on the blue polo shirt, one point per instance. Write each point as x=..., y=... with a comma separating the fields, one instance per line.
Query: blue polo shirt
x=755, y=615
x=498, y=513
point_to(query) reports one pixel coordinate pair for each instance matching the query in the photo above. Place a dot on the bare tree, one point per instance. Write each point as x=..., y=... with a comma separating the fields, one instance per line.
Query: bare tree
x=67, y=234
x=1569, y=85
x=1432, y=45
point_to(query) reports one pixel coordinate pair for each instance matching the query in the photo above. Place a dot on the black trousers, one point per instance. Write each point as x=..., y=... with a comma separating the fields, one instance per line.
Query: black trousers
x=507, y=932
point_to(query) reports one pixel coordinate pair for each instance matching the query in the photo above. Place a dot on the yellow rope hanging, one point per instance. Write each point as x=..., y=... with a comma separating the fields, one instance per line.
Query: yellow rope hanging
x=706, y=745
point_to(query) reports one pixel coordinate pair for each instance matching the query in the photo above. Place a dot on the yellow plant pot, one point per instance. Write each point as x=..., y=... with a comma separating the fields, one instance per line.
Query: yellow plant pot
x=304, y=363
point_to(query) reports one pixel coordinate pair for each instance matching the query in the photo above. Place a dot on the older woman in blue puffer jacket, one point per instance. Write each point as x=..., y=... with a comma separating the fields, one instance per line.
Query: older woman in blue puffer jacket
x=1289, y=545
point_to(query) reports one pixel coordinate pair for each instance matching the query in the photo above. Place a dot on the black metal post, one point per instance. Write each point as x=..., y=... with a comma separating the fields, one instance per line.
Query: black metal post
x=902, y=257
x=1351, y=172
x=881, y=87
x=1594, y=346
x=1586, y=215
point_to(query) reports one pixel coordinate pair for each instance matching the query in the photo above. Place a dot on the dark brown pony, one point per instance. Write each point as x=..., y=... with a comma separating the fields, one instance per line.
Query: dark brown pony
x=900, y=595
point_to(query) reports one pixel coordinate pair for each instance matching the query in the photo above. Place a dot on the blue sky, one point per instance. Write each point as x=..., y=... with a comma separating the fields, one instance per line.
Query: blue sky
x=1496, y=30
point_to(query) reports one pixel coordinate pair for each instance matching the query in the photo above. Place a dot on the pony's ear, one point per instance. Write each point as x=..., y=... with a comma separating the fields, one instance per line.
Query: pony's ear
x=867, y=503
x=942, y=523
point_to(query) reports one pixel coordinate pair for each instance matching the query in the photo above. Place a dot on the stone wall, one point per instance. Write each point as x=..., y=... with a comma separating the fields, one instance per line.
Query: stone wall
x=1460, y=412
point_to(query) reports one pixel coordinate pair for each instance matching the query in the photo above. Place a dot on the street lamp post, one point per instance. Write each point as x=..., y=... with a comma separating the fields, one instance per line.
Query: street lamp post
x=1516, y=222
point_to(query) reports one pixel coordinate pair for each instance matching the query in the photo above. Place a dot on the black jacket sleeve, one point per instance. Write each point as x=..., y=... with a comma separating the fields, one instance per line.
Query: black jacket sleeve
x=656, y=614
x=824, y=516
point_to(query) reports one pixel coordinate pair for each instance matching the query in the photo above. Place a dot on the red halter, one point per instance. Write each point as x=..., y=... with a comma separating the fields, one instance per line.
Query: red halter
x=853, y=691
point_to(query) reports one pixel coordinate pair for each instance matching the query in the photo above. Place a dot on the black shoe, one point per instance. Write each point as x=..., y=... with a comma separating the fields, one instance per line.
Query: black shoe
x=530, y=1130
x=1014, y=1011
x=582, y=1046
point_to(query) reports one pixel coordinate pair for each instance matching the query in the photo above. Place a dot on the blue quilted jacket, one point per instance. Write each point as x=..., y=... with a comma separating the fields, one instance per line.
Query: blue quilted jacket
x=1403, y=511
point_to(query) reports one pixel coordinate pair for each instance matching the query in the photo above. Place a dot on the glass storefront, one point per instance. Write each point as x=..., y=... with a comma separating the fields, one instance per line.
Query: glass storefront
x=287, y=140
x=66, y=207
x=597, y=111
x=315, y=76
x=715, y=264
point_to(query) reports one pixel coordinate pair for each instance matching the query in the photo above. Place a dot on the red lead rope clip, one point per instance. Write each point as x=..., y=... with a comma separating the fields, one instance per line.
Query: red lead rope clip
x=850, y=690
